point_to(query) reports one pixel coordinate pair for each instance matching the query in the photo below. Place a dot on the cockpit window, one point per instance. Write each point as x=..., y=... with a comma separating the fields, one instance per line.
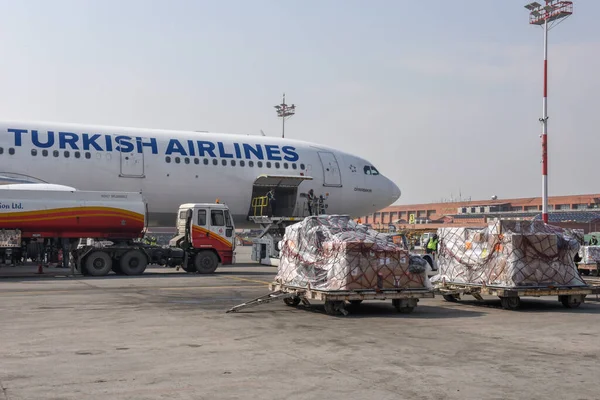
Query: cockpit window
x=370, y=170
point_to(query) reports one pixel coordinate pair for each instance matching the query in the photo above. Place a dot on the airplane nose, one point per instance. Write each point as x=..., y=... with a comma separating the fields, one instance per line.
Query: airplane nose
x=396, y=193
x=393, y=190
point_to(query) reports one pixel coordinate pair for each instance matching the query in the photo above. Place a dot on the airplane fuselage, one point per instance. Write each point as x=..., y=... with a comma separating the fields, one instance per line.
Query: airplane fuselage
x=175, y=167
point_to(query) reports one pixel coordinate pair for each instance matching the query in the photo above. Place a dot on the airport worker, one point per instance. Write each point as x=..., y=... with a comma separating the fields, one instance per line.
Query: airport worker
x=311, y=200
x=593, y=241
x=432, y=244
x=272, y=201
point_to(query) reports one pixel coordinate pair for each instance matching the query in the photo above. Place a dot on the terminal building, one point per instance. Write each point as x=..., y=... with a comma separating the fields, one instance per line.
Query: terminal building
x=575, y=211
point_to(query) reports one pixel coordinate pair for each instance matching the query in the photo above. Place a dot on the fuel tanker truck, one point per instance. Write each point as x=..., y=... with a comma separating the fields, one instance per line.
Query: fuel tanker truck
x=70, y=224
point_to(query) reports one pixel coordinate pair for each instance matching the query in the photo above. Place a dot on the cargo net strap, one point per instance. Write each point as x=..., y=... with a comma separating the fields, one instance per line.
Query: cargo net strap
x=509, y=254
x=332, y=252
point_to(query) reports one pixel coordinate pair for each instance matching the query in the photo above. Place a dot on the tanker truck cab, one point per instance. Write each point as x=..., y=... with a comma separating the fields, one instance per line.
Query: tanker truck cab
x=205, y=231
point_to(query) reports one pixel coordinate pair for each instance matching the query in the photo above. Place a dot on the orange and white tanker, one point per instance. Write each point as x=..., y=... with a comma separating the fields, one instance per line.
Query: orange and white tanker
x=73, y=214
x=57, y=218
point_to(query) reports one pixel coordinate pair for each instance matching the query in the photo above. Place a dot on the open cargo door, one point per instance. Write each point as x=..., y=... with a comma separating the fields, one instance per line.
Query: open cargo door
x=285, y=188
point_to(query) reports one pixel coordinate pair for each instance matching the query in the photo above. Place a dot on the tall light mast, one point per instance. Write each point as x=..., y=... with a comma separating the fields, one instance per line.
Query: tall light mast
x=284, y=112
x=548, y=16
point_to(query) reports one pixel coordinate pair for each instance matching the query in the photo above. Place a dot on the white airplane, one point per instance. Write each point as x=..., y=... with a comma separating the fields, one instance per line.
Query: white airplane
x=175, y=167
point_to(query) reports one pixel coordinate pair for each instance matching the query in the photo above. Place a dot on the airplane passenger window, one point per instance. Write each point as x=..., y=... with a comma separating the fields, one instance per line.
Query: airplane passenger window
x=177, y=160
x=224, y=163
x=187, y=160
x=196, y=161
x=77, y=154
x=202, y=217
x=374, y=171
x=285, y=165
x=11, y=151
x=33, y=152
x=233, y=163
x=302, y=166
x=206, y=161
x=367, y=170
x=44, y=153
x=259, y=164
x=1, y=150
x=251, y=164
x=55, y=153
x=277, y=165
x=217, y=218
x=66, y=154
x=242, y=163
x=294, y=166
x=215, y=162
x=168, y=159
x=268, y=164
x=88, y=155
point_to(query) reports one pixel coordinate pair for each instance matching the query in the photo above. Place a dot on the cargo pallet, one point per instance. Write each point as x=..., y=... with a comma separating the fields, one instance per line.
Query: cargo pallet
x=589, y=269
x=404, y=300
x=510, y=298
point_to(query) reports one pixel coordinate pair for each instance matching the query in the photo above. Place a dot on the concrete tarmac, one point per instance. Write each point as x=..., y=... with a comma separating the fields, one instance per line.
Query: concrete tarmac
x=165, y=335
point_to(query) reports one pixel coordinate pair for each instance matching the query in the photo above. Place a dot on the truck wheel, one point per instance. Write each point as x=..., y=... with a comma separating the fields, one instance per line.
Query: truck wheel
x=206, y=262
x=98, y=263
x=133, y=262
x=189, y=268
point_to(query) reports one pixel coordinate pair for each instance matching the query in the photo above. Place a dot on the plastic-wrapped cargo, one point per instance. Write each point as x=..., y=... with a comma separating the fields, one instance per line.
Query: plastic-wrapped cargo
x=590, y=254
x=509, y=254
x=332, y=252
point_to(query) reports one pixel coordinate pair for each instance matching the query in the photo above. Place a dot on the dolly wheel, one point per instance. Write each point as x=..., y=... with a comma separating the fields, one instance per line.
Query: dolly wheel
x=570, y=301
x=452, y=298
x=401, y=307
x=510, y=303
x=292, y=301
x=332, y=307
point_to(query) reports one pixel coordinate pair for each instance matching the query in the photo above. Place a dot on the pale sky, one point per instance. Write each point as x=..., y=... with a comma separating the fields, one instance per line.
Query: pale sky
x=440, y=95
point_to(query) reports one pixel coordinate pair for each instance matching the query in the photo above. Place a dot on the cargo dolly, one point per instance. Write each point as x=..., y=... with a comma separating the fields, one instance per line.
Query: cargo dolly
x=404, y=300
x=510, y=298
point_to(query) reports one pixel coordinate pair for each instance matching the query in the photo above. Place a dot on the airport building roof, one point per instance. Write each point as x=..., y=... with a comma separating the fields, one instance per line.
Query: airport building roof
x=573, y=209
x=580, y=216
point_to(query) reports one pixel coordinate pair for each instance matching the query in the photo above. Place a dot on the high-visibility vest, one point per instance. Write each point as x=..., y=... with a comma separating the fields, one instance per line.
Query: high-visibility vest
x=432, y=245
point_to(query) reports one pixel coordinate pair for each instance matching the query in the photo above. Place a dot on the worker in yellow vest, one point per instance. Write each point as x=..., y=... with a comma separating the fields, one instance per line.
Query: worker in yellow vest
x=432, y=244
